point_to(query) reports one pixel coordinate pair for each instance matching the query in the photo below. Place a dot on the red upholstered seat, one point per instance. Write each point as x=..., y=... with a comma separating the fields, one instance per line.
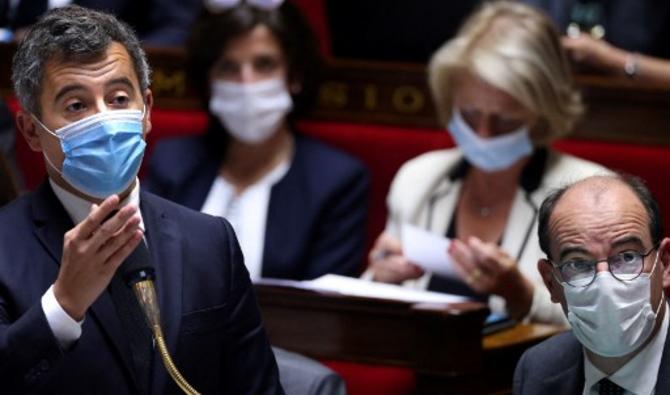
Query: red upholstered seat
x=374, y=380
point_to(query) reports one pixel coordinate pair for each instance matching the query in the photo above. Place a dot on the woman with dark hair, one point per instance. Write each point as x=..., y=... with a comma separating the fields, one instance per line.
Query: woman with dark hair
x=297, y=205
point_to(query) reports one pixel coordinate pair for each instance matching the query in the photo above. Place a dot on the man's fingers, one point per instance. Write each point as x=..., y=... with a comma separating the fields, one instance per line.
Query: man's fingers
x=118, y=256
x=114, y=225
x=119, y=239
x=98, y=213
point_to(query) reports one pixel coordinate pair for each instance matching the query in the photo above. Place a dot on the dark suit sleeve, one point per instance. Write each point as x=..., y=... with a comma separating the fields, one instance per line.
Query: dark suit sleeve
x=29, y=352
x=250, y=364
x=338, y=244
x=519, y=375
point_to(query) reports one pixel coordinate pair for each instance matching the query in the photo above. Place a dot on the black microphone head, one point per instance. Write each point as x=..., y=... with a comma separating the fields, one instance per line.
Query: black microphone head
x=137, y=266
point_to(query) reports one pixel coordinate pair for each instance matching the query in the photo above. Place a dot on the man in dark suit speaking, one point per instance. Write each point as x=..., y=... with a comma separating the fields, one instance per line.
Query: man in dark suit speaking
x=606, y=260
x=65, y=327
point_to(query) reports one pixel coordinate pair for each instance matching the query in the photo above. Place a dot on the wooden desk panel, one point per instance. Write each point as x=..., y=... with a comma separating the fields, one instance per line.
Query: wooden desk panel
x=374, y=331
x=519, y=335
x=442, y=343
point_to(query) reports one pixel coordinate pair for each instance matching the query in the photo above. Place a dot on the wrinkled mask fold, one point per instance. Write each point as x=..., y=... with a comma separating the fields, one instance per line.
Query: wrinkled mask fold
x=102, y=152
x=611, y=317
x=489, y=154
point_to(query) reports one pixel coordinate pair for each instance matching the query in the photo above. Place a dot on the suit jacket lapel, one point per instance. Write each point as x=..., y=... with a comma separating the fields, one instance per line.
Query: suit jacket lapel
x=51, y=222
x=663, y=381
x=104, y=314
x=163, y=238
x=571, y=380
x=283, y=204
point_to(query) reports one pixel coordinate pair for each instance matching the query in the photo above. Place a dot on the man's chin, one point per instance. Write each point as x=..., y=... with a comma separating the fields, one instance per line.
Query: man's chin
x=97, y=200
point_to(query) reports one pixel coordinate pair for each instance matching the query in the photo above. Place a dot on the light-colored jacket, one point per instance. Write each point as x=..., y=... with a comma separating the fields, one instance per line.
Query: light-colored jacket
x=423, y=194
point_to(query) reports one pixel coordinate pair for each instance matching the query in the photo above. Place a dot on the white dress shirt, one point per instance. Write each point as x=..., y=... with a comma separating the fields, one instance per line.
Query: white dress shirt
x=639, y=375
x=246, y=212
x=64, y=327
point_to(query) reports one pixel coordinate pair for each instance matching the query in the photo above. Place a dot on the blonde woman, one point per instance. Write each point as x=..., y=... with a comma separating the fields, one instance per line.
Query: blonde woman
x=503, y=88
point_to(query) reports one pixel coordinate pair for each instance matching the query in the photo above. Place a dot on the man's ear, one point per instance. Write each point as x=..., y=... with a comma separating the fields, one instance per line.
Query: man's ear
x=664, y=258
x=29, y=129
x=149, y=104
x=546, y=271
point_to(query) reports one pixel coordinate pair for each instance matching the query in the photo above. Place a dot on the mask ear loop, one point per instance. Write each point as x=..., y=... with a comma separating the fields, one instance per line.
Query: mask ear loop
x=43, y=126
x=44, y=154
x=660, y=302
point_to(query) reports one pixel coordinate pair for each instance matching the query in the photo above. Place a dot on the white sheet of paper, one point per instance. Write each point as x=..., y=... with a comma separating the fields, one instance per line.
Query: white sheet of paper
x=368, y=289
x=427, y=250
x=357, y=287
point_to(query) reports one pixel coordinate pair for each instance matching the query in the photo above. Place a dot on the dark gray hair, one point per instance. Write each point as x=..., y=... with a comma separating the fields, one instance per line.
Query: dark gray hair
x=638, y=187
x=70, y=33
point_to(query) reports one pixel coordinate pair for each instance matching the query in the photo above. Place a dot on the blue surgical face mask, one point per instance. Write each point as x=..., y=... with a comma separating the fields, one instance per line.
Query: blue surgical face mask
x=489, y=154
x=103, y=152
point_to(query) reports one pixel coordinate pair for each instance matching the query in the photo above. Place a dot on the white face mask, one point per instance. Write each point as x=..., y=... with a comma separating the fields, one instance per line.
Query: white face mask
x=489, y=154
x=251, y=112
x=612, y=318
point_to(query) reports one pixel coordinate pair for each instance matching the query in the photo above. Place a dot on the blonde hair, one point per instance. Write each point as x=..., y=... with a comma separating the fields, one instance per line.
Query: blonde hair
x=516, y=49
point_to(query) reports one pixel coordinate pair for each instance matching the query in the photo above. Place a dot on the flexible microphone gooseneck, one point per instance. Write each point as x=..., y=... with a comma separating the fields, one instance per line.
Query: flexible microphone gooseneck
x=138, y=272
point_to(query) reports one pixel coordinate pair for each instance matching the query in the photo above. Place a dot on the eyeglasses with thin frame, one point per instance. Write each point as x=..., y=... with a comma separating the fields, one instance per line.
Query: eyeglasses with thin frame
x=624, y=266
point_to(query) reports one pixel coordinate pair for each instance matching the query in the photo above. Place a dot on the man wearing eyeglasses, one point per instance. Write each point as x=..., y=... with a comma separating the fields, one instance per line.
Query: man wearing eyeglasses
x=605, y=265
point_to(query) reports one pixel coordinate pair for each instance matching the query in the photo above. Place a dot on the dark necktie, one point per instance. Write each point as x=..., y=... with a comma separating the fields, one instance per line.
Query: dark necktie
x=606, y=387
x=134, y=324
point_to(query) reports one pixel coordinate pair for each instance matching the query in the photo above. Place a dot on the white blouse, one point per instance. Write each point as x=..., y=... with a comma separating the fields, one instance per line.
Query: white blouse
x=247, y=213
